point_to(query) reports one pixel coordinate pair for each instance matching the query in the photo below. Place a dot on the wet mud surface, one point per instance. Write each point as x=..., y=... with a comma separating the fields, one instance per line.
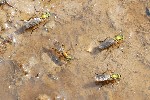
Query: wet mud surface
x=32, y=67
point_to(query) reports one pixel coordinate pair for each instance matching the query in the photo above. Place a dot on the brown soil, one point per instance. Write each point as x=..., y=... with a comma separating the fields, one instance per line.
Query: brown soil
x=28, y=72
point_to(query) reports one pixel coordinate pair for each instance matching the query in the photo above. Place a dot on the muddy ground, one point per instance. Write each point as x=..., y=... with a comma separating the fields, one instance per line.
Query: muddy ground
x=28, y=72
